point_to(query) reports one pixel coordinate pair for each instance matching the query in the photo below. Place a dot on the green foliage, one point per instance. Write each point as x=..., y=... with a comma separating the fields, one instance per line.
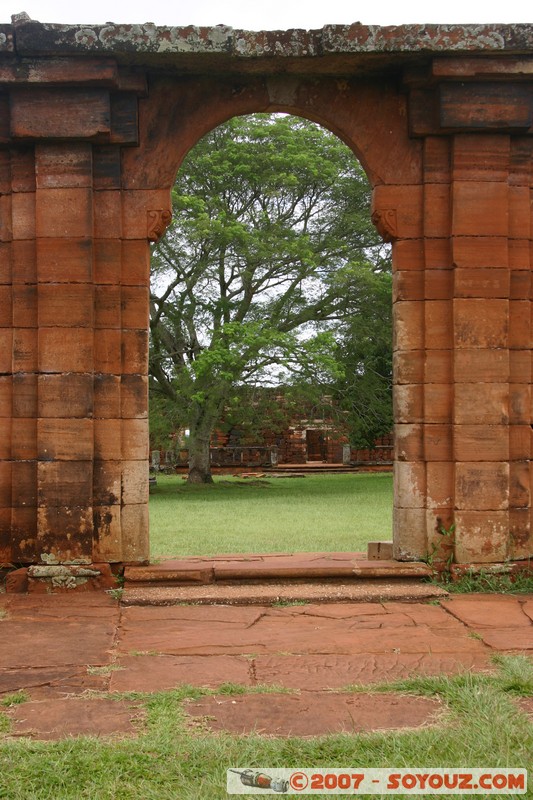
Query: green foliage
x=271, y=246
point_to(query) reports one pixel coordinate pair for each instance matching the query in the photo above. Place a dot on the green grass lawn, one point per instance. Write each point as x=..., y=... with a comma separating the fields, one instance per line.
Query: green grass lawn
x=315, y=513
x=480, y=726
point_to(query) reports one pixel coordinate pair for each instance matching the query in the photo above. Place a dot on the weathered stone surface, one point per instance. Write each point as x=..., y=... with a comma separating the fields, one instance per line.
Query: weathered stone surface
x=57, y=719
x=488, y=611
x=314, y=672
x=149, y=673
x=313, y=713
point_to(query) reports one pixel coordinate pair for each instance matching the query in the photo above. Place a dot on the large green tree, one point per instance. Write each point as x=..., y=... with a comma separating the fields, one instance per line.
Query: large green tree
x=270, y=246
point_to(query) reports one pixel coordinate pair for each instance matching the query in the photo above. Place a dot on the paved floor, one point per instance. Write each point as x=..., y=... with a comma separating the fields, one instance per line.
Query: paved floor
x=58, y=647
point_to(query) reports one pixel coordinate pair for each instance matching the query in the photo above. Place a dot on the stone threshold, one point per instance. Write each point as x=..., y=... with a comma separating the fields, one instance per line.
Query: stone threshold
x=272, y=567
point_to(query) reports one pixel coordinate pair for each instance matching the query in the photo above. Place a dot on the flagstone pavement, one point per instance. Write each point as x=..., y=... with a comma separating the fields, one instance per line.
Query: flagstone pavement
x=68, y=652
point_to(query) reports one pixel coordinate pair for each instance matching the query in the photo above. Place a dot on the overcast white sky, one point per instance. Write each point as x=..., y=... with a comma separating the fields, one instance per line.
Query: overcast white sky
x=270, y=14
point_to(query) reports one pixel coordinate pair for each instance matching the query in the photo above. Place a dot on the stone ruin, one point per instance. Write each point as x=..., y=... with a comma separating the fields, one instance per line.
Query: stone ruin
x=94, y=123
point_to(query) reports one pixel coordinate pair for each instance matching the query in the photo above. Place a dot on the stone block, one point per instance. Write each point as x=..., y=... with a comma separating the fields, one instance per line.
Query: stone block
x=438, y=366
x=480, y=251
x=108, y=261
x=17, y=581
x=24, y=395
x=480, y=323
x=519, y=484
x=65, y=439
x=107, y=396
x=134, y=524
x=107, y=483
x=134, y=439
x=438, y=284
x=440, y=477
x=25, y=306
x=107, y=351
x=519, y=366
x=68, y=305
x=438, y=254
x=108, y=215
x=6, y=263
x=64, y=483
x=134, y=482
x=64, y=213
x=106, y=167
x=134, y=396
x=6, y=425
x=482, y=282
x=135, y=263
x=379, y=551
x=438, y=442
x=481, y=365
x=68, y=395
x=23, y=169
x=408, y=255
x=481, y=536
x=25, y=349
x=519, y=253
x=481, y=157
x=24, y=261
x=107, y=306
x=135, y=307
x=134, y=352
x=24, y=484
x=481, y=442
x=64, y=165
x=107, y=545
x=6, y=396
x=108, y=439
x=66, y=350
x=408, y=322
x=519, y=212
x=64, y=260
x=407, y=200
x=408, y=366
x=23, y=209
x=409, y=442
x=6, y=348
x=482, y=485
x=437, y=159
x=69, y=529
x=6, y=230
x=520, y=442
x=438, y=403
x=480, y=208
x=519, y=284
x=520, y=324
x=5, y=484
x=410, y=484
x=520, y=542
x=481, y=403
x=410, y=539
x=519, y=403
x=437, y=210
x=6, y=306
x=408, y=402
x=438, y=320
x=24, y=439
x=60, y=113
x=135, y=208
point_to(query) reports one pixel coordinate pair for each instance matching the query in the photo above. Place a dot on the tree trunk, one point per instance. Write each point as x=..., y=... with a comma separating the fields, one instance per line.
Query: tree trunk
x=199, y=460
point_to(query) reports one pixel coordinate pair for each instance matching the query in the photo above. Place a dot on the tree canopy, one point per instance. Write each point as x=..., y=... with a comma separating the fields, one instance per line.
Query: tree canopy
x=270, y=249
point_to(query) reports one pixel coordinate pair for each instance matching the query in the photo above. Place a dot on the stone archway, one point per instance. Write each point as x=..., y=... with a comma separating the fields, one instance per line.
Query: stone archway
x=94, y=123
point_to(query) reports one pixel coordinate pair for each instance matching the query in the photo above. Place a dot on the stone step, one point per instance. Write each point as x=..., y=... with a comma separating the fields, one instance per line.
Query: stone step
x=259, y=568
x=367, y=591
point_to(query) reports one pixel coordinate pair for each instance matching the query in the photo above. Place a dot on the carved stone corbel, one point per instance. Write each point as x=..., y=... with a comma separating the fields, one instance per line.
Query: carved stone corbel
x=386, y=223
x=157, y=221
